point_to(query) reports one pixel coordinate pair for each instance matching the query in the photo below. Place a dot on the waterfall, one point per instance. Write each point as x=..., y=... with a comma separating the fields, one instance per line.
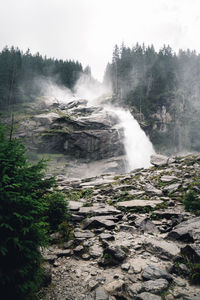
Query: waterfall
x=137, y=145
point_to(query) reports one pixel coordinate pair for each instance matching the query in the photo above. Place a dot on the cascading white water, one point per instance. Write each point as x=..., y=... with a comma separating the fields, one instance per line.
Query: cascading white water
x=137, y=145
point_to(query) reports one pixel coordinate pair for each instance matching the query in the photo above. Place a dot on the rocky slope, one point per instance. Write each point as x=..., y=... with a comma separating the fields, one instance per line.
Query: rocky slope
x=132, y=238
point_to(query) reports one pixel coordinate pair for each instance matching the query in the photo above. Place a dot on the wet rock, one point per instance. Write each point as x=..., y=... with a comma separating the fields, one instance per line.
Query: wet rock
x=155, y=286
x=161, y=248
x=187, y=231
x=147, y=296
x=152, y=272
x=101, y=294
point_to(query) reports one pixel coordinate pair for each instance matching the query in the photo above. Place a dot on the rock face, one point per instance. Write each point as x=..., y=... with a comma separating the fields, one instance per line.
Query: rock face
x=129, y=242
x=77, y=131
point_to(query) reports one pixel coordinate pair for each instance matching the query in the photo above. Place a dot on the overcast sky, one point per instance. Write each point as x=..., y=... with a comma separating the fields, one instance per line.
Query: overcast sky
x=87, y=30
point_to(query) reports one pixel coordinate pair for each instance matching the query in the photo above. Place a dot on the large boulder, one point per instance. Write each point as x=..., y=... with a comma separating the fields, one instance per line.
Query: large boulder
x=188, y=231
x=160, y=160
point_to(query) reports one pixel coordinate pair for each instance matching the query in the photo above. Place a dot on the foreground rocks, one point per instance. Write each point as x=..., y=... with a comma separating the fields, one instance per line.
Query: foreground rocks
x=129, y=242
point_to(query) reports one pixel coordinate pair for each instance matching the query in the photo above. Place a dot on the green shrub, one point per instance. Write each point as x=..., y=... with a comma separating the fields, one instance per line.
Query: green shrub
x=57, y=209
x=22, y=220
x=191, y=201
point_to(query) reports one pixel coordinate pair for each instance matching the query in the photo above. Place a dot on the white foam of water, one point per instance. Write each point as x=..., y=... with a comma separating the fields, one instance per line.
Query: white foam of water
x=137, y=145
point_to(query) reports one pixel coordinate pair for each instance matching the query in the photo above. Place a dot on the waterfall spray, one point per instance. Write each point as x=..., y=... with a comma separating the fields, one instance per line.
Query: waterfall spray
x=137, y=145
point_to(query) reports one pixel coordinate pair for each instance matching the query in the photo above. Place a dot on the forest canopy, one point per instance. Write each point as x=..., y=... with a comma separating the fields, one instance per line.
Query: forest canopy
x=18, y=71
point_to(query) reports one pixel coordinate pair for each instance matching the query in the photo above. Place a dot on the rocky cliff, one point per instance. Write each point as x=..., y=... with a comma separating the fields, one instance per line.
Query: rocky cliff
x=73, y=135
x=131, y=237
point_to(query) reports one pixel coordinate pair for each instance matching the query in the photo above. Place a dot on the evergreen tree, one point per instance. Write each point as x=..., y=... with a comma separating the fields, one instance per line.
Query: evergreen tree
x=24, y=205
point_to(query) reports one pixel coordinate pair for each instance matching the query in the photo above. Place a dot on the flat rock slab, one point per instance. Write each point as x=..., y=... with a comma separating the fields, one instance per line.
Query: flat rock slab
x=139, y=203
x=150, y=189
x=168, y=214
x=160, y=160
x=75, y=205
x=167, y=178
x=147, y=296
x=83, y=234
x=99, y=221
x=161, y=248
x=172, y=188
x=99, y=210
x=45, y=119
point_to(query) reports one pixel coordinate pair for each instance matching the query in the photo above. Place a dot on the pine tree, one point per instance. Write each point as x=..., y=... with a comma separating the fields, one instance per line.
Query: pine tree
x=24, y=192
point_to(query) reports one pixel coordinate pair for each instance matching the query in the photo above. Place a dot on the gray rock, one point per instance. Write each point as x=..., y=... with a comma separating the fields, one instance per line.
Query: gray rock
x=74, y=205
x=101, y=294
x=83, y=234
x=169, y=214
x=161, y=248
x=117, y=252
x=79, y=250
x=152, y=272
x=139, y=203
x=171, y=188
x=60, y=252
x=99, y=221
x=112, y=255
x=188, y=231
x=155, y=286
x=46, y=119
x=125, y=267
x=192, y=252
x=114, y=286
x=160, y=160
x=147, y=296
x=95, y=251
x=167, y=178
x=150, y=189
x=145, y=224
x=106, y=236
x=98, y=210
x=68, y=244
